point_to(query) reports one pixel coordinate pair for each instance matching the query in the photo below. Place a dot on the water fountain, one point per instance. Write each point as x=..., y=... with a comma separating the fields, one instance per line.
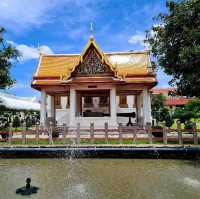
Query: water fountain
x=28, y=189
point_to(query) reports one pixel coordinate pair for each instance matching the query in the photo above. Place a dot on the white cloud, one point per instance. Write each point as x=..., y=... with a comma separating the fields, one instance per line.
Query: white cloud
x=20, y=14
x=137, y=38
x=20, y=85
x=31, y=52
x=28, y=52
x=46, y=49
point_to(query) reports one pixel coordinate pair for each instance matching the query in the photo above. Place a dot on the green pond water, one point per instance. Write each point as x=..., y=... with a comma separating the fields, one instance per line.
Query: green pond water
x=101, y=178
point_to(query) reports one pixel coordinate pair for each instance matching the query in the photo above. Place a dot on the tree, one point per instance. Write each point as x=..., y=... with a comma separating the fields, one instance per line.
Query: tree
x=157, y=103
x=175, y=44
x=159, y=112
x=8, y=54
x=182, y=114
x=16, y=121
x=166, y=117
x=194, y=106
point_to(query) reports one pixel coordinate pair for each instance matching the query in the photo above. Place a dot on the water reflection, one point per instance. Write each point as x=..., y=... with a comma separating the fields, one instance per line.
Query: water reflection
x=101, y=178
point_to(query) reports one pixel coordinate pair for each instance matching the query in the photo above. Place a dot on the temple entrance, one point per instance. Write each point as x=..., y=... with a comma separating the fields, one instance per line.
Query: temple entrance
x=93, y=103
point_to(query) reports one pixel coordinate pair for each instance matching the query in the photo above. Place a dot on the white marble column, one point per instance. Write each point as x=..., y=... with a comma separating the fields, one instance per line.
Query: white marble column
x=72, y=122
x=146, y=106
x=138, y=109
x=52, y=109
x=43, y=108
x=113, y=106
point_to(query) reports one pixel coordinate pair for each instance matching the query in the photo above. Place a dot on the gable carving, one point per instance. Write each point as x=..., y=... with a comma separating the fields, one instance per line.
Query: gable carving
x=92, y=65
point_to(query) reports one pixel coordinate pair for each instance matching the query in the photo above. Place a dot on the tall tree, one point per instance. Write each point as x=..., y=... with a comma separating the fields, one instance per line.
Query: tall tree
x=159, y=112
x=157, y=104
x=8, y=54
x=176, y=45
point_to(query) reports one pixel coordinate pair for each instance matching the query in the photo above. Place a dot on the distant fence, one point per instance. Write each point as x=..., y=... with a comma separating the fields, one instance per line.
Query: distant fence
x=64, y=134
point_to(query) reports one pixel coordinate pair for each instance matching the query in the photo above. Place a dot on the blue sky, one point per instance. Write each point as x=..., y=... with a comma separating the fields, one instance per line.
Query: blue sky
x=63, y=26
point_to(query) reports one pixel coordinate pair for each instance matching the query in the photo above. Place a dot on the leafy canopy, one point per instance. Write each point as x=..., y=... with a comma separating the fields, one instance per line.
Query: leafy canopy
x=8, y=54
x=159, y=112
x=188, y=112
x=157, y=104
x=182, y=114
x=194, y=106
x=175, y=44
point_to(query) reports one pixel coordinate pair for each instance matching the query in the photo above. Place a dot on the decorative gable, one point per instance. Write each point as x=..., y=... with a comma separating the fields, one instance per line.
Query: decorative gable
x=92, y=64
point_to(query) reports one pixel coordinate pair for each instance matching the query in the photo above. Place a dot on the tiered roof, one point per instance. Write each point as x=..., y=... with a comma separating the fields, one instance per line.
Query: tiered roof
x=131, y=67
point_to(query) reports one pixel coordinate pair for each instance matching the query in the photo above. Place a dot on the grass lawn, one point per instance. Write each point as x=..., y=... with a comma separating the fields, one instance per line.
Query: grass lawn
x=88, y=142
x=83, y=142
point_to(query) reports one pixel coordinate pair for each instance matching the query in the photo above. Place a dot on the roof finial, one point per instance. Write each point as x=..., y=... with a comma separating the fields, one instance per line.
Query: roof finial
x=39, y=49
x=91, y=29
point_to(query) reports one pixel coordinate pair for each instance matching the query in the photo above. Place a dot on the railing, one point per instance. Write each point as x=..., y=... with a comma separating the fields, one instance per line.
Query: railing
x=106, y=135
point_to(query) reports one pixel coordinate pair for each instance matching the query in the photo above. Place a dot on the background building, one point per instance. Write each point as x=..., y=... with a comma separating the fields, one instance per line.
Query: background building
x=172, y=100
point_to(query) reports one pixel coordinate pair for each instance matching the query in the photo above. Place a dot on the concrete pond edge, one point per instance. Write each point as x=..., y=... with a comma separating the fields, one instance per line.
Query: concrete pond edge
x=102, y=151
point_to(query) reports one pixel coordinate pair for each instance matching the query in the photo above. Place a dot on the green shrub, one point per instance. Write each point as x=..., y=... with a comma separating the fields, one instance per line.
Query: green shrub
x=183, y=115
x=16, y=121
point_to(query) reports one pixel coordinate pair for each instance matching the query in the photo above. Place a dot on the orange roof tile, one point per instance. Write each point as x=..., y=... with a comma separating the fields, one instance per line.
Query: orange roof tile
x=56, y=66
x=174, y=101
x=162, y=90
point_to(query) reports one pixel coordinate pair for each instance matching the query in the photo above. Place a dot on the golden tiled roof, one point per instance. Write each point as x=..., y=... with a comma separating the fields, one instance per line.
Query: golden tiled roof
x=123, y=64
x=129, y=63
x=56, y=65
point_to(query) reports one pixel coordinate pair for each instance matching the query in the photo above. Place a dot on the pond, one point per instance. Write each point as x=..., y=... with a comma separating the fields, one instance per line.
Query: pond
x=101, y=178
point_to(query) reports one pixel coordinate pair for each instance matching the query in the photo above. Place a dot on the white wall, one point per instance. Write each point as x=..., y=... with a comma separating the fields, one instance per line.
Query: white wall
x=130, y=102
x=62, y=115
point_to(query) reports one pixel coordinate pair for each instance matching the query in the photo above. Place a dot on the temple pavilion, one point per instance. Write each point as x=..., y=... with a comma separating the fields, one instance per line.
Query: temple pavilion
x=95, y=87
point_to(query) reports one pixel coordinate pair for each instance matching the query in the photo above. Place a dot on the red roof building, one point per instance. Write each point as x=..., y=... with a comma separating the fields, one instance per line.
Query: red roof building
x=176, y=101
x=170, y=101
x=163, y=91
